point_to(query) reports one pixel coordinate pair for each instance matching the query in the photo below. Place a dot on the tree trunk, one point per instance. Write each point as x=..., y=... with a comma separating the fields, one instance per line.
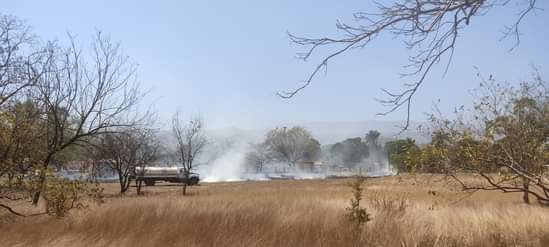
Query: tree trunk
x=36, y=198
x=123, y=187
x=10, y=179
x=125, y=182
x=138, y=184
x=525, y=197
x=42, y=180
x=185, y=182
x=36, y=195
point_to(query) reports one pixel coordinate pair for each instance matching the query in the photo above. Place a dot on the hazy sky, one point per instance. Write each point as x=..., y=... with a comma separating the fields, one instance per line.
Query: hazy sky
x=226, y=59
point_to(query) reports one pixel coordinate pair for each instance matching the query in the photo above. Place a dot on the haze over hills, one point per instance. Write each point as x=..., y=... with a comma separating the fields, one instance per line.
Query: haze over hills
x=328, y=132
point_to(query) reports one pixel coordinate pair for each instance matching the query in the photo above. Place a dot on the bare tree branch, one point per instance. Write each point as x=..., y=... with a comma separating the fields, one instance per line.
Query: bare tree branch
x=429, y=27
x=11, y=210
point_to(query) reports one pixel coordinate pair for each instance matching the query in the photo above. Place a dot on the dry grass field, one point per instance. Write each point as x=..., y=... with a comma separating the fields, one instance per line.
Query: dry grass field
x=405, y=211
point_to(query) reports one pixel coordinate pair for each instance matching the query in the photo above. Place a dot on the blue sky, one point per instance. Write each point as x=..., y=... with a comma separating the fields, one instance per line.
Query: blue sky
x=226, y=59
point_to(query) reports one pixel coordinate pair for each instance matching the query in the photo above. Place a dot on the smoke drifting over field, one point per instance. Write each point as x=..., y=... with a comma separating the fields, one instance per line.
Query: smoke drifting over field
x=226, y=165
x=377, y=164
x=226, y=161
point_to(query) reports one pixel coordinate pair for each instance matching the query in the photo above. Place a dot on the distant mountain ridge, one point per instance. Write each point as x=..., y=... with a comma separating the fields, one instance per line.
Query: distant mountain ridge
x=329, y=132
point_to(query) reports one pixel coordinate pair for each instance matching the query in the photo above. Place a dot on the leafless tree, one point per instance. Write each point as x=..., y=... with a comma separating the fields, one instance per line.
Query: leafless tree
x=139, y=173
x=84, y=98
x=125, y=150
x=190, y=143
x=21, y=57
x=149, y=152
x=430, y=28
x=54, y=100
x=258, y=156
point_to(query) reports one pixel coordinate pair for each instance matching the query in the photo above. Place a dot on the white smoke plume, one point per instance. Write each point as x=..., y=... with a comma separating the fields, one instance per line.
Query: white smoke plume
x=225, y=162
x=226, y=167
x=377, y=164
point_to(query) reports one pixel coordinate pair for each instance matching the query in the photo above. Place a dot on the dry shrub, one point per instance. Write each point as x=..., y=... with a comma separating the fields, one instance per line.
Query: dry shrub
x=62, y=195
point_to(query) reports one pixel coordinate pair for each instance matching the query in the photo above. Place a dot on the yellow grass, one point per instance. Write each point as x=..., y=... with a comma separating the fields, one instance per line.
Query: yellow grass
x=406, y=212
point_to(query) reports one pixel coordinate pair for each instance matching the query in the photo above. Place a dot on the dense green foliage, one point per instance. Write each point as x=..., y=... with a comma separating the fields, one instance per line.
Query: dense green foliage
x=397, y=150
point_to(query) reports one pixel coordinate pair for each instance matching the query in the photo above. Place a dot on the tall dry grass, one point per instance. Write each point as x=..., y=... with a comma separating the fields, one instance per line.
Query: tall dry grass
x=285, y=214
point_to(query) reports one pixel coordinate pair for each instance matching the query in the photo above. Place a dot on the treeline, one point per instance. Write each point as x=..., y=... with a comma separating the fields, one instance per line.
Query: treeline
x=354, y=151
x=289, y=146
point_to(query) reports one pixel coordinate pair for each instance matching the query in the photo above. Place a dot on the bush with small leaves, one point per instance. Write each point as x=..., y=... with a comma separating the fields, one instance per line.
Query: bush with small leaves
x=357, y=214
x=62, y=195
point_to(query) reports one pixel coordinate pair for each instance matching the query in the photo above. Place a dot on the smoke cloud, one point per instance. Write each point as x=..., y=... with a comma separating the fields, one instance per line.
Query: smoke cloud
x=227, y=163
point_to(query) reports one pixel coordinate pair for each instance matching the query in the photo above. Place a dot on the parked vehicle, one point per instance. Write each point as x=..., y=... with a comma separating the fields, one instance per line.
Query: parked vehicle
x=171, y=174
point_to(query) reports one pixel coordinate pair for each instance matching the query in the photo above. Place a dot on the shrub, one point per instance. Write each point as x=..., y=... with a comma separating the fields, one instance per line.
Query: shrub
x=356, y=213
x=62, y=195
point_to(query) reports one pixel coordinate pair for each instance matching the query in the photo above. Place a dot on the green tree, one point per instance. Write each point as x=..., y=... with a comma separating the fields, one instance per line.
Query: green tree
x=349, y=152
x=397, y=150
x=505, y=142
x=372, y=140
x=292, y=145
x=356, y=213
